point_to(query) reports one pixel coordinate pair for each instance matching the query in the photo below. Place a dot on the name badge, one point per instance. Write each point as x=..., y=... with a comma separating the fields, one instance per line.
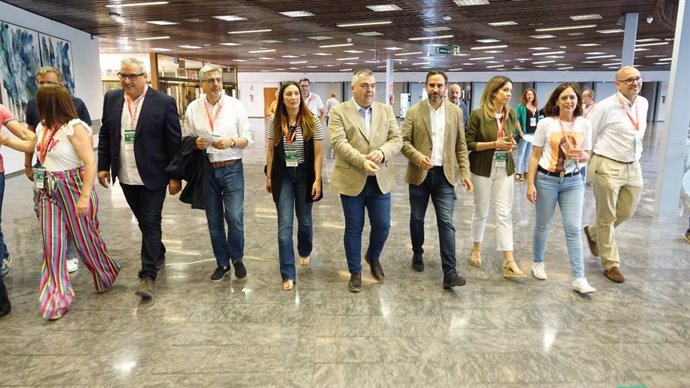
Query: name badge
x=638, y=144
x=129, y=138
x=500, y=158
x=532, y=121
x=39, y=177
x=569, y=166
x=291, y=159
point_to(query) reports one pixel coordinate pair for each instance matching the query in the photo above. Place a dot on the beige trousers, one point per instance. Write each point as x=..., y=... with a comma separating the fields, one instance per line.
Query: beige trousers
x=617, y=190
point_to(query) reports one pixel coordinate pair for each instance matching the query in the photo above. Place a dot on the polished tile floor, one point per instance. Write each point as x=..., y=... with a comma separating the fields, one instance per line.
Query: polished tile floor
x=406, y=332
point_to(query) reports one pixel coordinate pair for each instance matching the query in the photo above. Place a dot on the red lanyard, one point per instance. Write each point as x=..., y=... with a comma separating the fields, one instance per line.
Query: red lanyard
x=566, y=137
x=292, y=132
x=138, y=102
x=588, y=110
x=500, y=124
x=43, y=147
x=636, y=121
x=212, y=121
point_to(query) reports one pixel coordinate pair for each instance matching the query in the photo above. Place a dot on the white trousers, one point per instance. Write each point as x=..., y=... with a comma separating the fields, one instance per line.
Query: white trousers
x=500, y=186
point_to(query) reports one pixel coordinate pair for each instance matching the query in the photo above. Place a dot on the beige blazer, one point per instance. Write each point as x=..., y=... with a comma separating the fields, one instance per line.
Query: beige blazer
x=416, y=132
x=346, y=131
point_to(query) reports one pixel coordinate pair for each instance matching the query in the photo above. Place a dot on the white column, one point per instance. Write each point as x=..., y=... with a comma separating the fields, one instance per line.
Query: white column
x=389, y=80
x=677, y=114
x=628, y=54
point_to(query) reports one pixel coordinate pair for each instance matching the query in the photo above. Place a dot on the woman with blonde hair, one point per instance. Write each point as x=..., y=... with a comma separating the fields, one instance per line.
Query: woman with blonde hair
x=293, y=160
x=489, y=135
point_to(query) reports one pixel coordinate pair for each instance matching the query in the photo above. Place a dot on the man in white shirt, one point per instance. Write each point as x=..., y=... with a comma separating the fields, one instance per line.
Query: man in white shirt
x=454, y=94
x=618, y=127
x=312, y=100
x=221, y=126
x=329, y=104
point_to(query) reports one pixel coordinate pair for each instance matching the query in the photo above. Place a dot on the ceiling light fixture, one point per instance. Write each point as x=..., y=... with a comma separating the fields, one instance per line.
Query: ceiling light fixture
x=480, y=58
x=601, y=56
x=488, y=40
x=436, y=29
x=161, y=49
x=578, y=18
x=549, y=53
x=652, y=44
x=364, y=24
x=489, y=47
x=229, y=18
x=323, y=54
x=384, y=8
x=464, y=3
x=588, y=44
x=230, y=44
x=154, y=38
x=261, y=51
x=136, y=4
x=189, y=46
x=161, y=22
x=542, y=36
x=430, y=37
x=320, y=37
x=409, y=53
x=249, y=31
x=296, y=14
x=337, y=45
x=370, y=33
x=542, y=62
x=503, y=24
x=564, y=28
x=611, y=31
x=347, y=59
x=297, y=62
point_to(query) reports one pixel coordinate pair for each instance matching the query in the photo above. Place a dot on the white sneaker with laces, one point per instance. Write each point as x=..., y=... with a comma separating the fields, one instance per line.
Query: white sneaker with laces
x=72, y=264
x=582, y=286
x=538, y=270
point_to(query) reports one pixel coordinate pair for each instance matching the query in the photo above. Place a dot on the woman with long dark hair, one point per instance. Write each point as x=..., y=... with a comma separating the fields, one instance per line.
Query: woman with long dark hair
x=527, y=116
x=293, y=160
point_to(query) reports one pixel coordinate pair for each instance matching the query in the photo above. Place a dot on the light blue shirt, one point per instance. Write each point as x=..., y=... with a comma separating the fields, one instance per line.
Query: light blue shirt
x=366, y=116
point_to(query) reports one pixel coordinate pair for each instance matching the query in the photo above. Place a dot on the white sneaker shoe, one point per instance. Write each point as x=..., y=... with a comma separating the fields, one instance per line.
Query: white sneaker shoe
x=582, y=286
x=72, y=265
x=538, y=270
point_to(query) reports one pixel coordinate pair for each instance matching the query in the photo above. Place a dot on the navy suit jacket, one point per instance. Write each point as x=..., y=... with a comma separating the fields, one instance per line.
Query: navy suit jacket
x=156, y=139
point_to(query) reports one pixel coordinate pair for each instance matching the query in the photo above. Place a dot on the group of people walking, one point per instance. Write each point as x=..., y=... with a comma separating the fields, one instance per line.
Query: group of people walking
x=143, y=144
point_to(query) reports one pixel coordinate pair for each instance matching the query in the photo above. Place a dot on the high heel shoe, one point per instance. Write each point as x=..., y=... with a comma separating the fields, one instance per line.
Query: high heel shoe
x=476, y=258
x=511, y=270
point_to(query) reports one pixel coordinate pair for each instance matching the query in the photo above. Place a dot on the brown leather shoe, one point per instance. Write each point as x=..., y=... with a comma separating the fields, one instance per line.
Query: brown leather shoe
x=614, y=274
x=593, y=247
x=145, y=289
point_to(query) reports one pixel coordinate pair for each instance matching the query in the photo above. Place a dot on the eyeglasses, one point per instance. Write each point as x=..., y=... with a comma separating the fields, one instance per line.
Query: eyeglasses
x=211, y=81
x=131, y=77
x=630, y=81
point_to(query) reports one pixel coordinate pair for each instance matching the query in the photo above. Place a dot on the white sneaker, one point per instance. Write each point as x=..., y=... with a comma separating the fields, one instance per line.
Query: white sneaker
x=72, y=265
x=582, y=286
x=538, y=270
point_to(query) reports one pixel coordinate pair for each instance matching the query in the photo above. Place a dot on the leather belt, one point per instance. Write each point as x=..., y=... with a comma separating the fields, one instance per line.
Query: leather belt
x=617, y=161
x=557, y=174
x=224, y=163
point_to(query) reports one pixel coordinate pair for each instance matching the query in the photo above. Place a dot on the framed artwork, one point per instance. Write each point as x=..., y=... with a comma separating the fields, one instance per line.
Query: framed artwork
x=19, y=61
x=58, y=53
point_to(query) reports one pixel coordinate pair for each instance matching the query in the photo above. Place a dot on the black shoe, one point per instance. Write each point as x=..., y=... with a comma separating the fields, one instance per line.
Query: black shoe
x=220, y=273
x=5, y=306
x=355, y=283
x=417, y=262
x=376, y=269
x=240, y=271
x=452, y=279
x=159, y=264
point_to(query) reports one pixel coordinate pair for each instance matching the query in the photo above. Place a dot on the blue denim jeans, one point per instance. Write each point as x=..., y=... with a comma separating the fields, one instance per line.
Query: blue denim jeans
x=3, y=248
x=225, y=201
x=442, y=194
x=523, y=155
x=293, y=199
x=568, y=193
x=378, y=205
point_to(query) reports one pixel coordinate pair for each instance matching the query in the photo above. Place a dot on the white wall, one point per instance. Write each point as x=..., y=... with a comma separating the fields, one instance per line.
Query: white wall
x=85, y=59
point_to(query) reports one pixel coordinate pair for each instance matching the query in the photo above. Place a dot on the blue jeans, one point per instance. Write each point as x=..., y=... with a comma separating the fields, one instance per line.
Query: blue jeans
x=443, y=196
x=225, y=200
x=378, y=206
x=568, y=193
x=523, y=155
x=4, y=253
x=293, y=199
x=147, y=206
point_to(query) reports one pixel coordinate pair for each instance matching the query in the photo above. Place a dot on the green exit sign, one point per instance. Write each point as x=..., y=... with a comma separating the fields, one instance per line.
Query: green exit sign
x=443, y=50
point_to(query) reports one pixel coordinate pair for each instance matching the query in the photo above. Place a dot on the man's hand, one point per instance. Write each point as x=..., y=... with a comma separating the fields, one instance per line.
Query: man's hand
x=223, y=143
x=174, y=186
x=104, y=178
x=425, y=162
x=201, y=143
x=467, y=184
x=376, y=156
x=370, y=167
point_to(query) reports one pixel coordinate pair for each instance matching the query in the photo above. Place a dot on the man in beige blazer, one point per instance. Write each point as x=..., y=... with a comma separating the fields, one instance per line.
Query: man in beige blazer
x=365, y=137
x=434, y=144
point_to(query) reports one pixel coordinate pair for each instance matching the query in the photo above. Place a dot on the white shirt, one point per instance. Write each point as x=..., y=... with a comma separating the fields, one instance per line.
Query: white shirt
x=437, y=118
x=550, y=136
x=329, y=104
x=367, y=118
x=314, y=104
x=128, y=173
x=61, y=155
x=231, y=121
x=614, y=133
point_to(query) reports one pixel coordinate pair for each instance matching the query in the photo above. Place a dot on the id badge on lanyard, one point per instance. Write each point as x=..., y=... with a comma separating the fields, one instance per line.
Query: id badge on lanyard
x=532, y=121
x=291, y=159
x=500, y=158
x=39, y=173
x=129, y=138
x=638, y=144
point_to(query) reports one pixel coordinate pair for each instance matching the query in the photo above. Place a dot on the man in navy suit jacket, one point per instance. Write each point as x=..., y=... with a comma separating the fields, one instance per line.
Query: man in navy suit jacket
x=140, y=134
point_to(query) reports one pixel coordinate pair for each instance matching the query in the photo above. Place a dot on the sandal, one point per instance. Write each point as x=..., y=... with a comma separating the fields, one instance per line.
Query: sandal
x=288, y=285
x=303, y=261
x=511, y=270
x=518, y=177
x=476, y=258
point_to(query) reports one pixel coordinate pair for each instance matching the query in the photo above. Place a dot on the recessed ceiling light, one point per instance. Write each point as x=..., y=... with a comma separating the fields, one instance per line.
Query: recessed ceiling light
x=480, y=58
x=502, y=24
x=601, y=56
x=337, y=45
x=230, y=44
x=652, y=44
x=494, y=66
x=612, y=64
x=491, y=52
x=655, y=56
x=489, y=47
x=370, y=33
x=660, y=63
x=523, y=59
x=542, y=36
x=347, y=59
x=668, y=39
x=261, y=51
x=296, y=14
x=647, y=40
x=271, y=41
x=611, y=31
x=289, y=56
x=266, y=58
x=239, y=60
x=542, y=62
x=549, y=53
x=229, y=18
x=595, y=53
x=564, y=28
x=409, y=53
x=493, y=61
x=436, y=29
x=323, y=54
x=588, y=44
x=320, y=37
x=430, y=37
x=641, y=49
x=311, y=67
x=349, y=63
x=161, y=22
x=154, y=38
x=249, y=31
x=353, y=51
x=590, y=61
x=539, y=48
x=488, y=40
x=468, y=64
x=193, y=20
x=136, y=4
x=594, y=16
x=421, y=63
x=161, y=49
x=297, y=62
x=189, y=46
x=393, y=48
x=575, y=33
x=364, y=24
x=665, y=59
x=345, y=70
x=566, y=68
x=456, y=69
x=463, y=3
x=384, y=8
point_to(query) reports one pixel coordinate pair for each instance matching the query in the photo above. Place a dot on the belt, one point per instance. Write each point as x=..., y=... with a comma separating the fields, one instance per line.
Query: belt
x=224, y=163
x=557, y=174
x=617, y=161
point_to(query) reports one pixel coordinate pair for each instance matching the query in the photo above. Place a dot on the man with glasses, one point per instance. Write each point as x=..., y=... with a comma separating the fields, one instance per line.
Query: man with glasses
x=221, y=127
x=51, y=75
x=140, y=134
x=618, y=127
x=365, y=137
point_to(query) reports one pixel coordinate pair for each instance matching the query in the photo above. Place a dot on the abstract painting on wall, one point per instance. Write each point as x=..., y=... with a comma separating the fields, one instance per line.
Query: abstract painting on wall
x=19, y=61
x=58, y=53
